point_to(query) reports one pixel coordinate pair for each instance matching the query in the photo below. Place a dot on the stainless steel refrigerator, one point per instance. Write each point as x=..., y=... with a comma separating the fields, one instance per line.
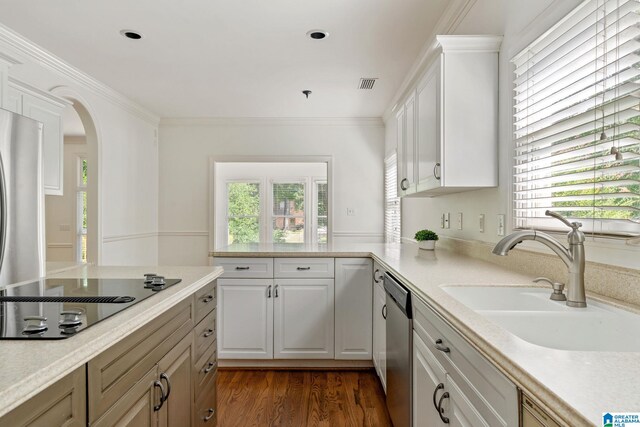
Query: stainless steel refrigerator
x=22, y=246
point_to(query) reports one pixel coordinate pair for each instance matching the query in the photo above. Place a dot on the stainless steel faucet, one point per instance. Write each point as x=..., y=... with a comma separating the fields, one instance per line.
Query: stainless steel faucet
x=572, y=257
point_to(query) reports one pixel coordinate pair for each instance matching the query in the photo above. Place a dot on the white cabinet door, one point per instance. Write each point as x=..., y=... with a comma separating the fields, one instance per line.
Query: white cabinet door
x=50, y=115
x=428, y=129
x=461, y=411
x=245, y=318
x=354, y=300
x=429, y=380
x=303, y=319
x=380, y=333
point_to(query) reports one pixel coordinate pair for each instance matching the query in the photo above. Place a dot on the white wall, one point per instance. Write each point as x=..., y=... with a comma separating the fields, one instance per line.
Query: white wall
x=60, y=211
x=356, y=146
x=521, y=22
x=128, y=152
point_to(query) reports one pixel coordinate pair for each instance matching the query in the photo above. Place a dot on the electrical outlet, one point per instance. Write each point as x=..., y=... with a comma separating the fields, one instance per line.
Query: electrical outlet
x=501, y=224
x=351, y=212
x=459, y=220
x=447, y=220
x=481, y=223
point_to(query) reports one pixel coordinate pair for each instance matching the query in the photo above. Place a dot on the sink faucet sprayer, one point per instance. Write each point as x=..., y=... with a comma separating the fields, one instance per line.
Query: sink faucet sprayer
x=572, y=257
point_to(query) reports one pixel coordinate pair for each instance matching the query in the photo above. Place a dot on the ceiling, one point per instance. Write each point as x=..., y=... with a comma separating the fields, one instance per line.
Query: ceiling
x=248, y=58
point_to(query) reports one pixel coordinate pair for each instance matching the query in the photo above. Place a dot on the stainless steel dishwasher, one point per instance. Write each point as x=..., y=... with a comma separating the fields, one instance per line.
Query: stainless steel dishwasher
x=399, y=351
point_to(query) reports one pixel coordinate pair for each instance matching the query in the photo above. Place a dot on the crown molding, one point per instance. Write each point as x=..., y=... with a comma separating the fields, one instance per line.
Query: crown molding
x=489, y=44
x=9, y=60
x=273, y=121
x=41, y=56
x=38, y=93
x=448, y=22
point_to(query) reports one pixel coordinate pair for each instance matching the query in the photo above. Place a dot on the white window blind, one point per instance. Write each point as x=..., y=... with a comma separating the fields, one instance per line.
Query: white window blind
x=391, y=200
x=577, y=121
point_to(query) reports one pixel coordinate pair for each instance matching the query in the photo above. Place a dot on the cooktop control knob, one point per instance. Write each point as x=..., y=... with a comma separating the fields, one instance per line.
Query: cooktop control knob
x=148, y=277
x=70, y=318
x=158, y=280
x=35, y=325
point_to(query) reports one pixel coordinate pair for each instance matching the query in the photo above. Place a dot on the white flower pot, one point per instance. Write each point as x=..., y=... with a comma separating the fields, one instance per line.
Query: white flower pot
x=427, y=245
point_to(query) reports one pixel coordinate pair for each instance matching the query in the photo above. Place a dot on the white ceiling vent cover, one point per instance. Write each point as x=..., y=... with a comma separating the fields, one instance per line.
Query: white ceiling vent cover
x=367, y=83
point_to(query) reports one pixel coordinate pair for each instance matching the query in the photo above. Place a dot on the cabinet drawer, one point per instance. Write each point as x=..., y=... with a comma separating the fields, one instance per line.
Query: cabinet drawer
x=494, y=396
x=205, y=368
x=293, y=268
x=205, y=301
x=206, y=410
x=205, y=333
x=246, y=268
x=112, y=373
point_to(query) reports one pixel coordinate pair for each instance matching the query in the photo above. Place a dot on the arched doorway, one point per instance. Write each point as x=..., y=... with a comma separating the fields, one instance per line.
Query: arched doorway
x=85, y=166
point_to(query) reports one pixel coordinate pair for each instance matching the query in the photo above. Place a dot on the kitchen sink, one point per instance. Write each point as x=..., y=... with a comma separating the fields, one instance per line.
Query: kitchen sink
x=528, y=313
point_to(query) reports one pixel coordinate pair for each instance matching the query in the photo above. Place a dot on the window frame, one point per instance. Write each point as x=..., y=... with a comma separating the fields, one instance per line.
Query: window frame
x=314, y=214
x=81, y=193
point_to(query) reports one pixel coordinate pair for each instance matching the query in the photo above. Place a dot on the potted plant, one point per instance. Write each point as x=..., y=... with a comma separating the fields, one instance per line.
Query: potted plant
x=426, y=239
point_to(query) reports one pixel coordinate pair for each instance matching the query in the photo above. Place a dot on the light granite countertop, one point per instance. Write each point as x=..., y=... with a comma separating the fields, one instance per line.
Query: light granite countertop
x=576, y=386
x=28, y=367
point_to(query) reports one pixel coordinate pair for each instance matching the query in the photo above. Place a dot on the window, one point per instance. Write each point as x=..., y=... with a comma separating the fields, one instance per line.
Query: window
x=391, y=200
x=288, y=212
x=243, y=212
x=81, y=213
x=321, y=214
x=577, y=122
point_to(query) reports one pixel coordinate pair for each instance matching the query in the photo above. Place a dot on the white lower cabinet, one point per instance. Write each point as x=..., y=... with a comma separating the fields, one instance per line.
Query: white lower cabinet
x=428, y=380
x=379, y=325
x=451, y=375
x=245, y=318
x=354, y=298
x=303, y=319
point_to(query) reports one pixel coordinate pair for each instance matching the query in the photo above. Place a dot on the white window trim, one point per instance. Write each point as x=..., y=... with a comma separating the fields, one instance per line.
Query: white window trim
x=314, y=205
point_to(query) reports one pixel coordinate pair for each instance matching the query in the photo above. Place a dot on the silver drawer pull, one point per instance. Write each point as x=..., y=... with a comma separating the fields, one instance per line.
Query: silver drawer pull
x=209, y=367
x=210, y=411
x=304, y=268
x=442, y=348
x=243, y=268
x=209, y=333
x=207, y=299
x=441, y=409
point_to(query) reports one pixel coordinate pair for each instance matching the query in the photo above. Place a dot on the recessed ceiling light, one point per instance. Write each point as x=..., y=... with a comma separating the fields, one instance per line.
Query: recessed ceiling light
x=130, y=34
x=317, y=34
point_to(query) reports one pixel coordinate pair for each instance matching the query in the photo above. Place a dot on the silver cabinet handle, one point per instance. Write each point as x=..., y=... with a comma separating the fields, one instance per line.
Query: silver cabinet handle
x=210, y=411
x=384, y=311
x=158, y=384
x=436, y=171
x=304, y=268
x=209, y=367
x=275, y=291
x=404, y=180
x=269, y=292
x=435, y=393
x=439, y=408
x=208, y=333
x=243, y=268
x=442, y=348
x=207, y=299
x=375, y=279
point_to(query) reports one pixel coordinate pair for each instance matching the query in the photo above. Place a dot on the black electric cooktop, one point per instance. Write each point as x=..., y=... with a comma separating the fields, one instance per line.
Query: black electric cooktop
x=60, y=308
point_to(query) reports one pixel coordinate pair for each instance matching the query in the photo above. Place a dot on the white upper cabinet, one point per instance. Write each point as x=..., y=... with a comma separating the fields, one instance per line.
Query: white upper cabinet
x=47, y=109
x=448, y=125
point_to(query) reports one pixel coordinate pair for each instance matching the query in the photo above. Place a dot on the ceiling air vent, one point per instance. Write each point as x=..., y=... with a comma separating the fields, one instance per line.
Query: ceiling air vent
x=367, y=83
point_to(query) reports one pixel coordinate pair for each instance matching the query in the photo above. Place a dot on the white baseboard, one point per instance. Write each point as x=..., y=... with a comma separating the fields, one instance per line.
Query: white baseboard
x=295, y=364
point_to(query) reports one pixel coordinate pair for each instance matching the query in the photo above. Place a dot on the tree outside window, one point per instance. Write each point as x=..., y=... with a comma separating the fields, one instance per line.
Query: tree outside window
x=243, y=212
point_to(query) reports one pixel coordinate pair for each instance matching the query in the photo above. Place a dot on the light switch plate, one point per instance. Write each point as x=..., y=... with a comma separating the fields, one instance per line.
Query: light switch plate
x=501, y=224
x=459, y=220
x=442, y=221
x=447, y=220
x=481, y=223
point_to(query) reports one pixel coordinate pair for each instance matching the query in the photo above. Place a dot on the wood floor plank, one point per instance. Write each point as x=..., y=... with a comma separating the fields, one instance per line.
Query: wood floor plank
x=280, y=398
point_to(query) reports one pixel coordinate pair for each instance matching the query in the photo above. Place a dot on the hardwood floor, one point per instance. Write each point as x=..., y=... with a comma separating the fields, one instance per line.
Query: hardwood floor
x=300, y=399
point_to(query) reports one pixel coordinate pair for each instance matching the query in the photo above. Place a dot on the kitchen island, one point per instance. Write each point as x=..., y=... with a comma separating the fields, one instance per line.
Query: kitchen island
x=30, y=367
x=575, y=387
